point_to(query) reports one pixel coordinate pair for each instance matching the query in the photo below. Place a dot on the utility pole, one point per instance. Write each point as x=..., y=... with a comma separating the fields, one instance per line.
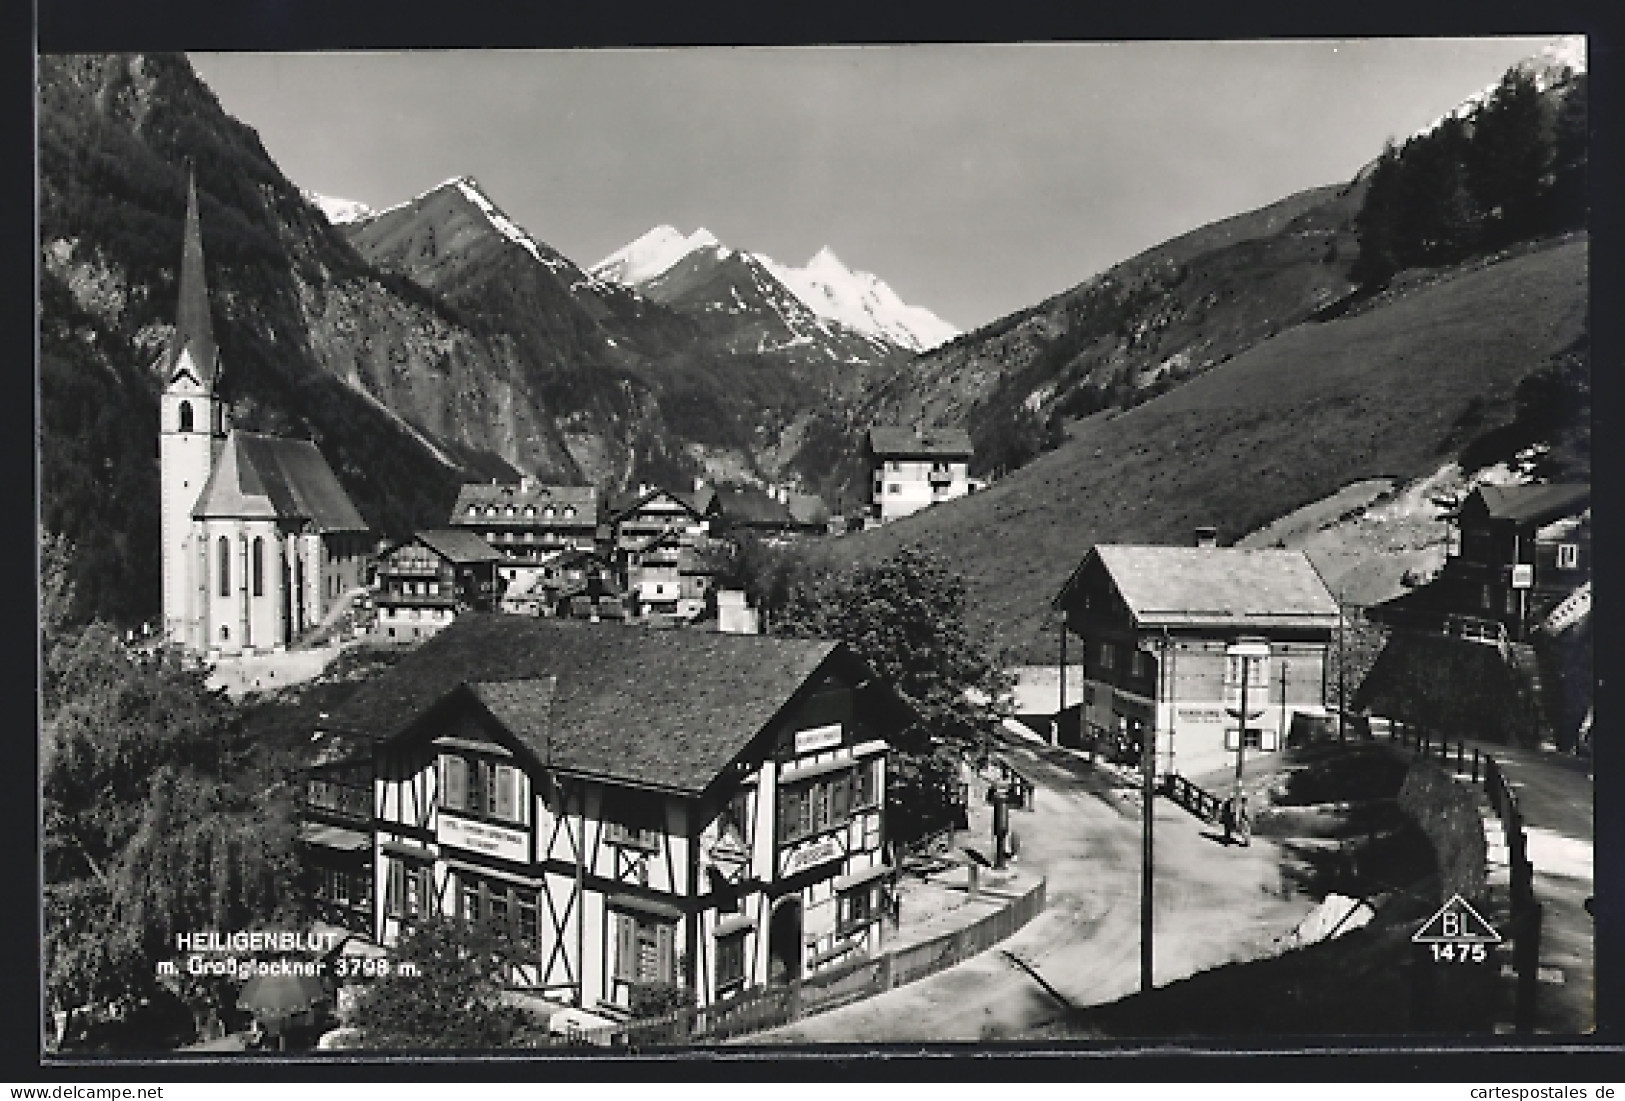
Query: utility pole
x=1247, y=650
x=1342, y=669
x=1148, y=757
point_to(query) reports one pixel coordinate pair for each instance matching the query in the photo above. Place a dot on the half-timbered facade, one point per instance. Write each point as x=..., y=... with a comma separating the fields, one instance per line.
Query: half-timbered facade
x=643, y=809
x=1158, y=625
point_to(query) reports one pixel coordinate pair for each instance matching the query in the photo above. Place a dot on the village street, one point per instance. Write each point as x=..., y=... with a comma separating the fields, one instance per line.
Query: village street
x=1214, y=904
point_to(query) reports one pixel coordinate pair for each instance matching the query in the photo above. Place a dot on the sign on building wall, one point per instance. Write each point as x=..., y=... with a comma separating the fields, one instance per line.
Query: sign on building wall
x=482, y=837
x=810, y=855
x=818, y=737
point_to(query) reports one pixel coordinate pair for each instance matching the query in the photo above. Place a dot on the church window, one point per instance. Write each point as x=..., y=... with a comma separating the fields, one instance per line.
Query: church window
x=510, y=510
x=473, y=510
x=548, y=512
x=186, y=416
x=530, y=510
x=569, y=511
x=224, y=547
x=259, y=566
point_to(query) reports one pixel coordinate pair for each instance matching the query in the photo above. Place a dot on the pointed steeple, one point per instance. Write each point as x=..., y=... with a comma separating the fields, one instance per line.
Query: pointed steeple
x=194, y=330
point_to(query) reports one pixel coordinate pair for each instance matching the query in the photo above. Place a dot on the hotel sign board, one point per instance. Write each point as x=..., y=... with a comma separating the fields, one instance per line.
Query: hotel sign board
x=482, y=837
x=818, y=737
x=825, y=849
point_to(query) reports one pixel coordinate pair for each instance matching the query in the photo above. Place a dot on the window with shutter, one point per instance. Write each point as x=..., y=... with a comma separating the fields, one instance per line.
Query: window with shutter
x=626, y=948
x=505, y=776
x=454, y=782
x=665, y=935
x=841, y=798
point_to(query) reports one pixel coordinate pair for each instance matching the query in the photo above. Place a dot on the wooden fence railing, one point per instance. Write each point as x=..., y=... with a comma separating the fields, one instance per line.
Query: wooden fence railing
x=1200, y=802
x=765, y=1007
x=1526, y=909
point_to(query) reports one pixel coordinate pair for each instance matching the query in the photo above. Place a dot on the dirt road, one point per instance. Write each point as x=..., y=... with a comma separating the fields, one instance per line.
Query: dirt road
x=1214, y=905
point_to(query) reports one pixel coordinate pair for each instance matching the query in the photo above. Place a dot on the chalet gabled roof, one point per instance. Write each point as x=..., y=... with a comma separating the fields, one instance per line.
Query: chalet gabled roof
x=459, y=546
x=929, y=443
x=1166, y=586
x=1532, y=504
x=749, y=505
x=192, y=345
x=268, y=477
x=662, y=709
x=623, y=505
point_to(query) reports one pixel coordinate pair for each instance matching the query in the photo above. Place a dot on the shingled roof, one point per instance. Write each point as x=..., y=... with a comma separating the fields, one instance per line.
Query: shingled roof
x=268, y=477
x=458, y=546
x=929, y=443
x=1533, y=504
x=1166, y=586
x=749, y=505
x=664, y=709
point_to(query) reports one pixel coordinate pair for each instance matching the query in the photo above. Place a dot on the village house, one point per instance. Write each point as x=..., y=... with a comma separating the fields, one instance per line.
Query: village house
x=564, y=576
x=427, y=581
x=911, y=469
x=1518, y=554
x=1166, y=635
x=259, y=542
x=528, y=521
x=643, y=810
x=775, y=514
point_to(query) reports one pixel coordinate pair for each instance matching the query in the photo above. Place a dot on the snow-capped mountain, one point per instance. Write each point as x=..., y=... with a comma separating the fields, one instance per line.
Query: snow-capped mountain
x=861, y=301
x=855, y=300
x=651, y=254
x=1554, y=62
x=338, y=211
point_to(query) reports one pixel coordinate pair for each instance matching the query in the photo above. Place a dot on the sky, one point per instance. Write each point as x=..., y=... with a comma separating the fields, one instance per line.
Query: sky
x=974, y=179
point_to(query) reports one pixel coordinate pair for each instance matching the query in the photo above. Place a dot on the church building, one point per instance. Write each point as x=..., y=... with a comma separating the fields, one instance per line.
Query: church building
x=260, y=542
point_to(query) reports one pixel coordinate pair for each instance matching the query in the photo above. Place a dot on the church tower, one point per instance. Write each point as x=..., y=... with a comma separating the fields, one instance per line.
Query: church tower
x=192, y=431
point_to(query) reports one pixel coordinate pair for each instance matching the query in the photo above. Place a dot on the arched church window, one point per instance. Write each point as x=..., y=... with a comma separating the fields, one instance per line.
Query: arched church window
x=186, y=416
x=224, y=548
x=259, y=566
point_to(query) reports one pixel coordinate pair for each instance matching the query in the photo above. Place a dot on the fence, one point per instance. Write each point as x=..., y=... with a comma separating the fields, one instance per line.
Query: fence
x=767, y=1007
x=1204, y=804
x=1526, y=910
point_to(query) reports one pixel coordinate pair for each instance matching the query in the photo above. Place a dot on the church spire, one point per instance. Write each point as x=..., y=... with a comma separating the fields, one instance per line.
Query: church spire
x=194, y=331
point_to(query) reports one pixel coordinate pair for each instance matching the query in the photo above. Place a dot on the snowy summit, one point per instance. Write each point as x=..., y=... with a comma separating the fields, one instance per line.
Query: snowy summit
x=648, y=256
x=338, y=211
x=826, y=286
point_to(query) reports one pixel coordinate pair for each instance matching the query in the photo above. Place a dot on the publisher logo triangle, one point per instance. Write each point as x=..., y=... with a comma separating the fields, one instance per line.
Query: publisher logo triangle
x=1456, y=922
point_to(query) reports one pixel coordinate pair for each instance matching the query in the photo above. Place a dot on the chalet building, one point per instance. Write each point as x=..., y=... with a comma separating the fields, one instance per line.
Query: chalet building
x=635, y=518
x=259, y=542
x=671, y=575
x=528, y=521
x=563, y=577
x=1158, y=627
x=1517, y=555
x=912, y=469
x=426, y=582
x=774, y=514
x=641, y=809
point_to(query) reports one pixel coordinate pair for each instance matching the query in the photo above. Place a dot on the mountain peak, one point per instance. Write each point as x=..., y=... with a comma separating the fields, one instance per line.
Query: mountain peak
x=651, y=254
x=825, y=261
x=338, y=211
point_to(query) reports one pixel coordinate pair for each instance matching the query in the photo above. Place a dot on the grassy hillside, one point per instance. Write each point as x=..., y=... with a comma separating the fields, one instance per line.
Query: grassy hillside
x=1383, y=393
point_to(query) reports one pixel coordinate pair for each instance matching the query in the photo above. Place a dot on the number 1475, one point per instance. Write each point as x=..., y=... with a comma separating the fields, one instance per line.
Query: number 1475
x=1459, y=953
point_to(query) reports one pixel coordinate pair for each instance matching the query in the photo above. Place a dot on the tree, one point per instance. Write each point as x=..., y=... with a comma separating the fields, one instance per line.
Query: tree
x=1509, y=158
x=905, y=616
x=156, y=821
x=452, y=997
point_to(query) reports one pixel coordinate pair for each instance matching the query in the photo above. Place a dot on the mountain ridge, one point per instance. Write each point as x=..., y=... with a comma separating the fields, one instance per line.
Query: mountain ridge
x=856, y=300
